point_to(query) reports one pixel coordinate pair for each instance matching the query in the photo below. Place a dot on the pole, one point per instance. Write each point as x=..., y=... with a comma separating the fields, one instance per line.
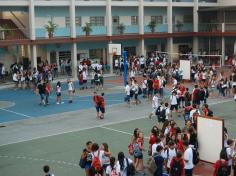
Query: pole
x=125, y=68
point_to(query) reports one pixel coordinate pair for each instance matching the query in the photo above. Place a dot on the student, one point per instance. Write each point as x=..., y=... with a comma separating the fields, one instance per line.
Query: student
x=206, y=111
x=159, y=160
x=86, y=157
x=155, y=105
x=188, y=159
x=42, y=91
x=46, y=170
x=170, y=153
x=112, y=168
x=127, y=93
x=71, y=90
x=106, y=157
x=221, y=166
x=229, y=151
x=122, y=164
x=48, y=91
x=136, y=92
x=58, y=93
x=177, y=165
x=101, y=105
x=173, y=103
x=195, y=95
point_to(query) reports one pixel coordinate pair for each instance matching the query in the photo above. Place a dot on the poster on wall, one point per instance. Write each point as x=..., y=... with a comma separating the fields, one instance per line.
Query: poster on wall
x=185, y=66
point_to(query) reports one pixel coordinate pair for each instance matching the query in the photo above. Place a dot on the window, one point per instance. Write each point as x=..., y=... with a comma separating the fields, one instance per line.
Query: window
x=188, y=19
x=134, y=20
x=157, y=19
x=97, y=21
x=115, y=20
x=67, y=21
x=77, y=21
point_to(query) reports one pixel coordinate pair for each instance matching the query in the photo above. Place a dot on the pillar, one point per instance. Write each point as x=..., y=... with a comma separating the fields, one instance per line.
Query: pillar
x=104, y=57
x=48, y=57
x=195, y=27
x=170, y=48
x=141, y=48
x=74, y=60
x=109, y=18
x=141, y=17
x=57, y=60
x=72, y=19
x=32, y=20
x=169, y=16
x=223, y=46
x=34, y=56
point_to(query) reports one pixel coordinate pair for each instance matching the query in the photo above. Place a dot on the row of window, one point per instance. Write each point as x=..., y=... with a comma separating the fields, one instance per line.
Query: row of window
x=100, y=20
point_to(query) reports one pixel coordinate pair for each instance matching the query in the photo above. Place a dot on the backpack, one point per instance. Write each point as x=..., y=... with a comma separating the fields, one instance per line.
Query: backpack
x=96, y=164
x=140, y=91
x=222, y=170
x=195, y=156
x=158, y=111
x=96, y=77
x=224, y=154
x=151, y=165
x=136, y=150
x=113, y=172
x=82, y=163
x=176, y=168
x=130, y=168
x=210, y=113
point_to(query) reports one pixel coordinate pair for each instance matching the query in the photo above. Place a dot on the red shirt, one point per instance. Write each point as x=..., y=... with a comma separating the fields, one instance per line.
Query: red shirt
x=155, y=84
x=180, y=146
x=217, y=165
x=95, y=99
x=152, y=139
x=181, y=162
x=182, y=90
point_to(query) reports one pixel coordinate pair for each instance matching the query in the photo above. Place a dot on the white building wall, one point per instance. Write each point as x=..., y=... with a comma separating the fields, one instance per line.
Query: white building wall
x=126, y=20
x=41, y=21
x=7, y=60
x=84, y=20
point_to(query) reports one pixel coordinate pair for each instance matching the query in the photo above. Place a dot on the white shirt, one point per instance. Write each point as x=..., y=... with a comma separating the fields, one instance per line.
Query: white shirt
x=167, y=113
x=154, y=147
x=14, y=77
x=3, y=70
x=229, y=152
x=188, y=155
x=101, y=155
x=84, y=75
x=70, y=86
x=192, y=112
x=109, y=170
x=116, y=63
x=155, y=103
x=173, y=99
x=127, y=89
x=142, y=60
x=172, y=154
x=175, y=82
x=124, y=171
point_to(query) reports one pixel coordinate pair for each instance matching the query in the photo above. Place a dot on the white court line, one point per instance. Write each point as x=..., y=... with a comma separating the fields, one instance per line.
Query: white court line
x=15, y=112
x=119, y=131
x=91, y=127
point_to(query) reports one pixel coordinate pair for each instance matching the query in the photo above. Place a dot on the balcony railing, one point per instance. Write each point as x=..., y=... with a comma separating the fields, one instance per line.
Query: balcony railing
x=210, y=27
x=14, y=34
x=230, y=27
x=96, y=30
x=159, y=28
x=182, y=0
x=59, y=32
x=183, y=27
x=128, y=29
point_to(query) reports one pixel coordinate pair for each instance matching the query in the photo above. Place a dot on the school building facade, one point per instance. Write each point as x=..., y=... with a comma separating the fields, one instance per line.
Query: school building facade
x=208, y=26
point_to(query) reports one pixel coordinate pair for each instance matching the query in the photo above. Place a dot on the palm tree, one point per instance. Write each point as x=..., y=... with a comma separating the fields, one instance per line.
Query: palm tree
x=87, y=29
x=121, y=28
x=152, y=25
x=50, y=27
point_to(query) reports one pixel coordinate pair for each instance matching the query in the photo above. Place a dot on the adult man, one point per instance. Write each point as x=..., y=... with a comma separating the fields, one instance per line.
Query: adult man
x=188, y=159
x=155, y=105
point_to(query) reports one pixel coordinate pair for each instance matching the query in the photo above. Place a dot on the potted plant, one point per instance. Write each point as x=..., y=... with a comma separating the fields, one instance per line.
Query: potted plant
x=121, y=28
x=179, y=25
x=151, y=25
x=50, y=27
x=87, y=29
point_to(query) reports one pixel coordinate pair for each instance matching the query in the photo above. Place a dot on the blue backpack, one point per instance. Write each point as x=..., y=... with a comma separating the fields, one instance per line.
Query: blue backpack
x=136, y=150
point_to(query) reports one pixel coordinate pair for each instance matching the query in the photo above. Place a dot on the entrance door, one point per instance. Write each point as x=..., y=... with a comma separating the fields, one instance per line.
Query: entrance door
x=53, y=57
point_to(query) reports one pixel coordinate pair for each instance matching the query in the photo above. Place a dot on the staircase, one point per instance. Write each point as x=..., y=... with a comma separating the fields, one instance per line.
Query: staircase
x=12, y=32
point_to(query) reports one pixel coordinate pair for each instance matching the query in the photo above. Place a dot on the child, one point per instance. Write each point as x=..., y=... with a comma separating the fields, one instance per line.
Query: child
x=70, y=90
x=58, y=93
x=111, y=169
x=46, y=170
x=106, y=157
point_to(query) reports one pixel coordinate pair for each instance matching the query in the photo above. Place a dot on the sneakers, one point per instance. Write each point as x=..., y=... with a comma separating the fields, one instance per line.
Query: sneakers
x=58, y=103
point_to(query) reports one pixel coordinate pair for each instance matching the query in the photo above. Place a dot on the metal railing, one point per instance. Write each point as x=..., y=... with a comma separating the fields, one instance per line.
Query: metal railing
x=230, y=27
x=14, y=34
x=210, y=27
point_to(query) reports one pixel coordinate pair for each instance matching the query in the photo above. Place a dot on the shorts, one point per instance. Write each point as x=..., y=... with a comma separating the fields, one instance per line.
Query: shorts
x=84, y=81
x=127, y=98
x=172, y=107
x=142, y=66
x=181, y=99
x=154, y=110
x=98, y=108
x=58, y=94
x=156, y=91
x=97, y=83
x=135, y=96
x=139, y=157
x=150, y=91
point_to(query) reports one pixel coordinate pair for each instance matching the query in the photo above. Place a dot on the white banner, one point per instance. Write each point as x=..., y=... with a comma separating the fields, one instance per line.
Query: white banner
x=185, y=66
